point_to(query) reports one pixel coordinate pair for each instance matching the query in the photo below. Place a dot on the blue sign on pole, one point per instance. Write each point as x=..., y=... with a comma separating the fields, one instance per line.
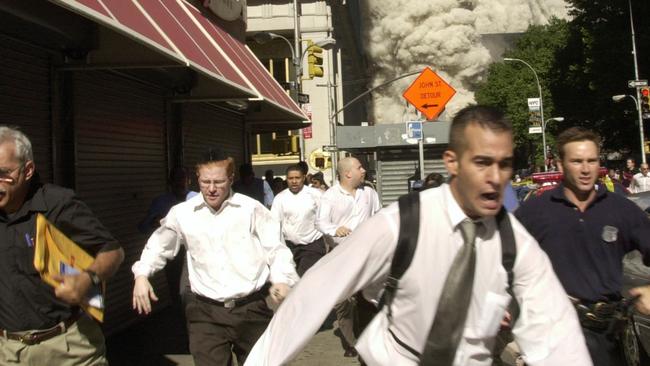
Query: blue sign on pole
x=414, y=130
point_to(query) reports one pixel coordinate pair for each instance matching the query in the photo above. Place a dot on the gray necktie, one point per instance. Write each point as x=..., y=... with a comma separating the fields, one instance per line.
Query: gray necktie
x=449, y=322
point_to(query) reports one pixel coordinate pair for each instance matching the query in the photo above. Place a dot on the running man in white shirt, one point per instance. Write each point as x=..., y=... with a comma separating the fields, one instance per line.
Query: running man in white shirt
x=296, y=208
x=641, y=180
x=235, y=257
x=479, y=162
x=343, y=207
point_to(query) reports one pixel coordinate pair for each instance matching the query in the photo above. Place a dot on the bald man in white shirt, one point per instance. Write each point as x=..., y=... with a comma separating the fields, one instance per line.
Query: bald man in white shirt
x=235, y=258
x=343, y=208
x=479, y=162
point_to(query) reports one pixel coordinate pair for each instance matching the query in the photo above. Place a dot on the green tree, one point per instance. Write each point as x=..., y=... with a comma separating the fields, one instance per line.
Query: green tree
x=597, y=64
x=509, y=85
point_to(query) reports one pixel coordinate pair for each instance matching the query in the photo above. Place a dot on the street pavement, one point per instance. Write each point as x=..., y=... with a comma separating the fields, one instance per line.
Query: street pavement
x=161, y=340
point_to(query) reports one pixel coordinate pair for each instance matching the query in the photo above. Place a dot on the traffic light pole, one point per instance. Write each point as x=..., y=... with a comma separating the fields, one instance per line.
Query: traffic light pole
x=297, y=64
x=333, y=115
x=638, y=93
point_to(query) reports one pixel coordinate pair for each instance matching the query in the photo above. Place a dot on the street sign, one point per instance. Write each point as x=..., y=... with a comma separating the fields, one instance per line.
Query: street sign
x=306, y=132
x=330, y=148
x=637, y=83
x=414, y=130
x=429, y=93
x=303, y=98
x=532, y=130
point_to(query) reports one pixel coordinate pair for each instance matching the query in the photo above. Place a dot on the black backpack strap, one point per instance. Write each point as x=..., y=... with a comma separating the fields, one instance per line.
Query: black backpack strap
x=508, y=256
x=409, y=227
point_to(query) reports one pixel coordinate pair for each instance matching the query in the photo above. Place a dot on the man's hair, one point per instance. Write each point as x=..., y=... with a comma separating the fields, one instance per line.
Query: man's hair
x=214, y=155
x=575, y=134
x=484, y=116
x=295, y=168
x=23, y=151
x=303, y=167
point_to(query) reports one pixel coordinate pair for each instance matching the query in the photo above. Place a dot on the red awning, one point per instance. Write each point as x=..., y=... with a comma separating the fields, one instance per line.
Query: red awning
x=182, y=33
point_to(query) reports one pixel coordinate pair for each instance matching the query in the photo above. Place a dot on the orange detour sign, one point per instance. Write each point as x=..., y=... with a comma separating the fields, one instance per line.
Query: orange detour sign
x=429, y=93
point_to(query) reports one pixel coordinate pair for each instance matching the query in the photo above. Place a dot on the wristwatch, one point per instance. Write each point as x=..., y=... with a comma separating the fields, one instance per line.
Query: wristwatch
x=94, y=278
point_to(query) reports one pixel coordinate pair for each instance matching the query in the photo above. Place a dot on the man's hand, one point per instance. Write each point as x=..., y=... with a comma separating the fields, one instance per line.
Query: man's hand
x=72, y=288
x=343, y=231
x=642, y=304
x=278, y=292
x=142, y=293
x=506, y=322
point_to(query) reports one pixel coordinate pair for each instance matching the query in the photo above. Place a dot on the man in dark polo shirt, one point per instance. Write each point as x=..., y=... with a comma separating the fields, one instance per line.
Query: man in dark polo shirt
x=586, y=231
x=41, y=325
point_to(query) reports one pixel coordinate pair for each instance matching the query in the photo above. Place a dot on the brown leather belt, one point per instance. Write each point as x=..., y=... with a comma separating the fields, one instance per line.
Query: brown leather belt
x=37, y=336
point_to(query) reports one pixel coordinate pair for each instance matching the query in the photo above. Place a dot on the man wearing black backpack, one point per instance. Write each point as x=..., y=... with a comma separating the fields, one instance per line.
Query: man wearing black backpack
x=448, y=284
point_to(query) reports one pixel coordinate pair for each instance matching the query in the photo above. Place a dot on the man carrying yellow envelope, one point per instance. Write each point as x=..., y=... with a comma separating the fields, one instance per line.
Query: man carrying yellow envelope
x=54, y=257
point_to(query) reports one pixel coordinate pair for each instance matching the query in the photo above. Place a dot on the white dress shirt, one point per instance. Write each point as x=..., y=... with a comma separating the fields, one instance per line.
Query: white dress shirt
x=297, y=214
x=230, y=253
x=547, y=329
x=340, y=208
x=640, y=183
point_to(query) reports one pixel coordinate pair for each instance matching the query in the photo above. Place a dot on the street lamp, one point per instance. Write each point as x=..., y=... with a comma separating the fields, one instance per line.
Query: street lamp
x=296, y=85
x=557, y=119
x=326, y=43
x=636, y=77
x=541, y=103
x=620, y=97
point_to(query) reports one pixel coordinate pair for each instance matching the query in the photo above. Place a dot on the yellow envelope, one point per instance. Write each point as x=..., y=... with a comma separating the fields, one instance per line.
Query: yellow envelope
x=56, y=254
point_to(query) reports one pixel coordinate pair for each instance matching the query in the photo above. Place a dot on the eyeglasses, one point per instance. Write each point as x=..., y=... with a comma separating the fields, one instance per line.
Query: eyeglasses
x=5, y=174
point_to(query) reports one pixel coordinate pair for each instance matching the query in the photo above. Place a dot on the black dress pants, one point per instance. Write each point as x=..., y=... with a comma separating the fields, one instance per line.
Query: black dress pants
x=306, y=255
x=604, y=349
x=216, y=332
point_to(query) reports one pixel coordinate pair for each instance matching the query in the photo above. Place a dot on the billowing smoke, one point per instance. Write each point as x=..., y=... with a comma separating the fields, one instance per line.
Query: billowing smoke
x=407, y=35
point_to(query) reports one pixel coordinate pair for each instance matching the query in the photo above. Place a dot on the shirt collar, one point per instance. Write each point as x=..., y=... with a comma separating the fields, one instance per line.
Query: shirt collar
x=343, y=191
x=233, y=200
x=457, y=215
x=558, y=193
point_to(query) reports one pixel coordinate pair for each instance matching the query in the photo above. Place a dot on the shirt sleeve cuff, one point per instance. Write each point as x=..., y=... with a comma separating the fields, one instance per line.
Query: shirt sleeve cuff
x=140, y=269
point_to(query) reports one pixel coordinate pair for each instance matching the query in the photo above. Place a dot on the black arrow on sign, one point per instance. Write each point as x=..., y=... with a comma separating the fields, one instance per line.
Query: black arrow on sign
x=425, y=105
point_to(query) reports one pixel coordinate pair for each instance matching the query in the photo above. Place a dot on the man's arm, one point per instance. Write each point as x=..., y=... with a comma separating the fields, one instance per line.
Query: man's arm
x=547, y=329
x=362, y=259
x=278, y=257
x=162, y=246
x=324, y=222
x=73, y=288
x=74, y=218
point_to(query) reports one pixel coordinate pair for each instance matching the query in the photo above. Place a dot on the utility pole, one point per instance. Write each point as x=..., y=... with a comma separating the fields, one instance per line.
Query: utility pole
x=636, y=77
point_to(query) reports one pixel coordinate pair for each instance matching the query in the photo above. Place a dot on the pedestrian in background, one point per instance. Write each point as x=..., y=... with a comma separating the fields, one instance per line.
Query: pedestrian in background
x=252, y=186
x=641, y=180
x=235, y=257
x=343, y=208
x=318, y=182
x=41, y=325
x=433, y=180
x=296, y=208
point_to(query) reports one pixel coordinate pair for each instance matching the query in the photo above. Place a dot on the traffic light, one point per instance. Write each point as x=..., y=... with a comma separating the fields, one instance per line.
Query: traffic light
x=315, y=60
x=645, y=102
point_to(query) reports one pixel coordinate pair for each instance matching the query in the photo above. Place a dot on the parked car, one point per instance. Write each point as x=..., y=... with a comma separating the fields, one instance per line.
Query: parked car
x=635, y=273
